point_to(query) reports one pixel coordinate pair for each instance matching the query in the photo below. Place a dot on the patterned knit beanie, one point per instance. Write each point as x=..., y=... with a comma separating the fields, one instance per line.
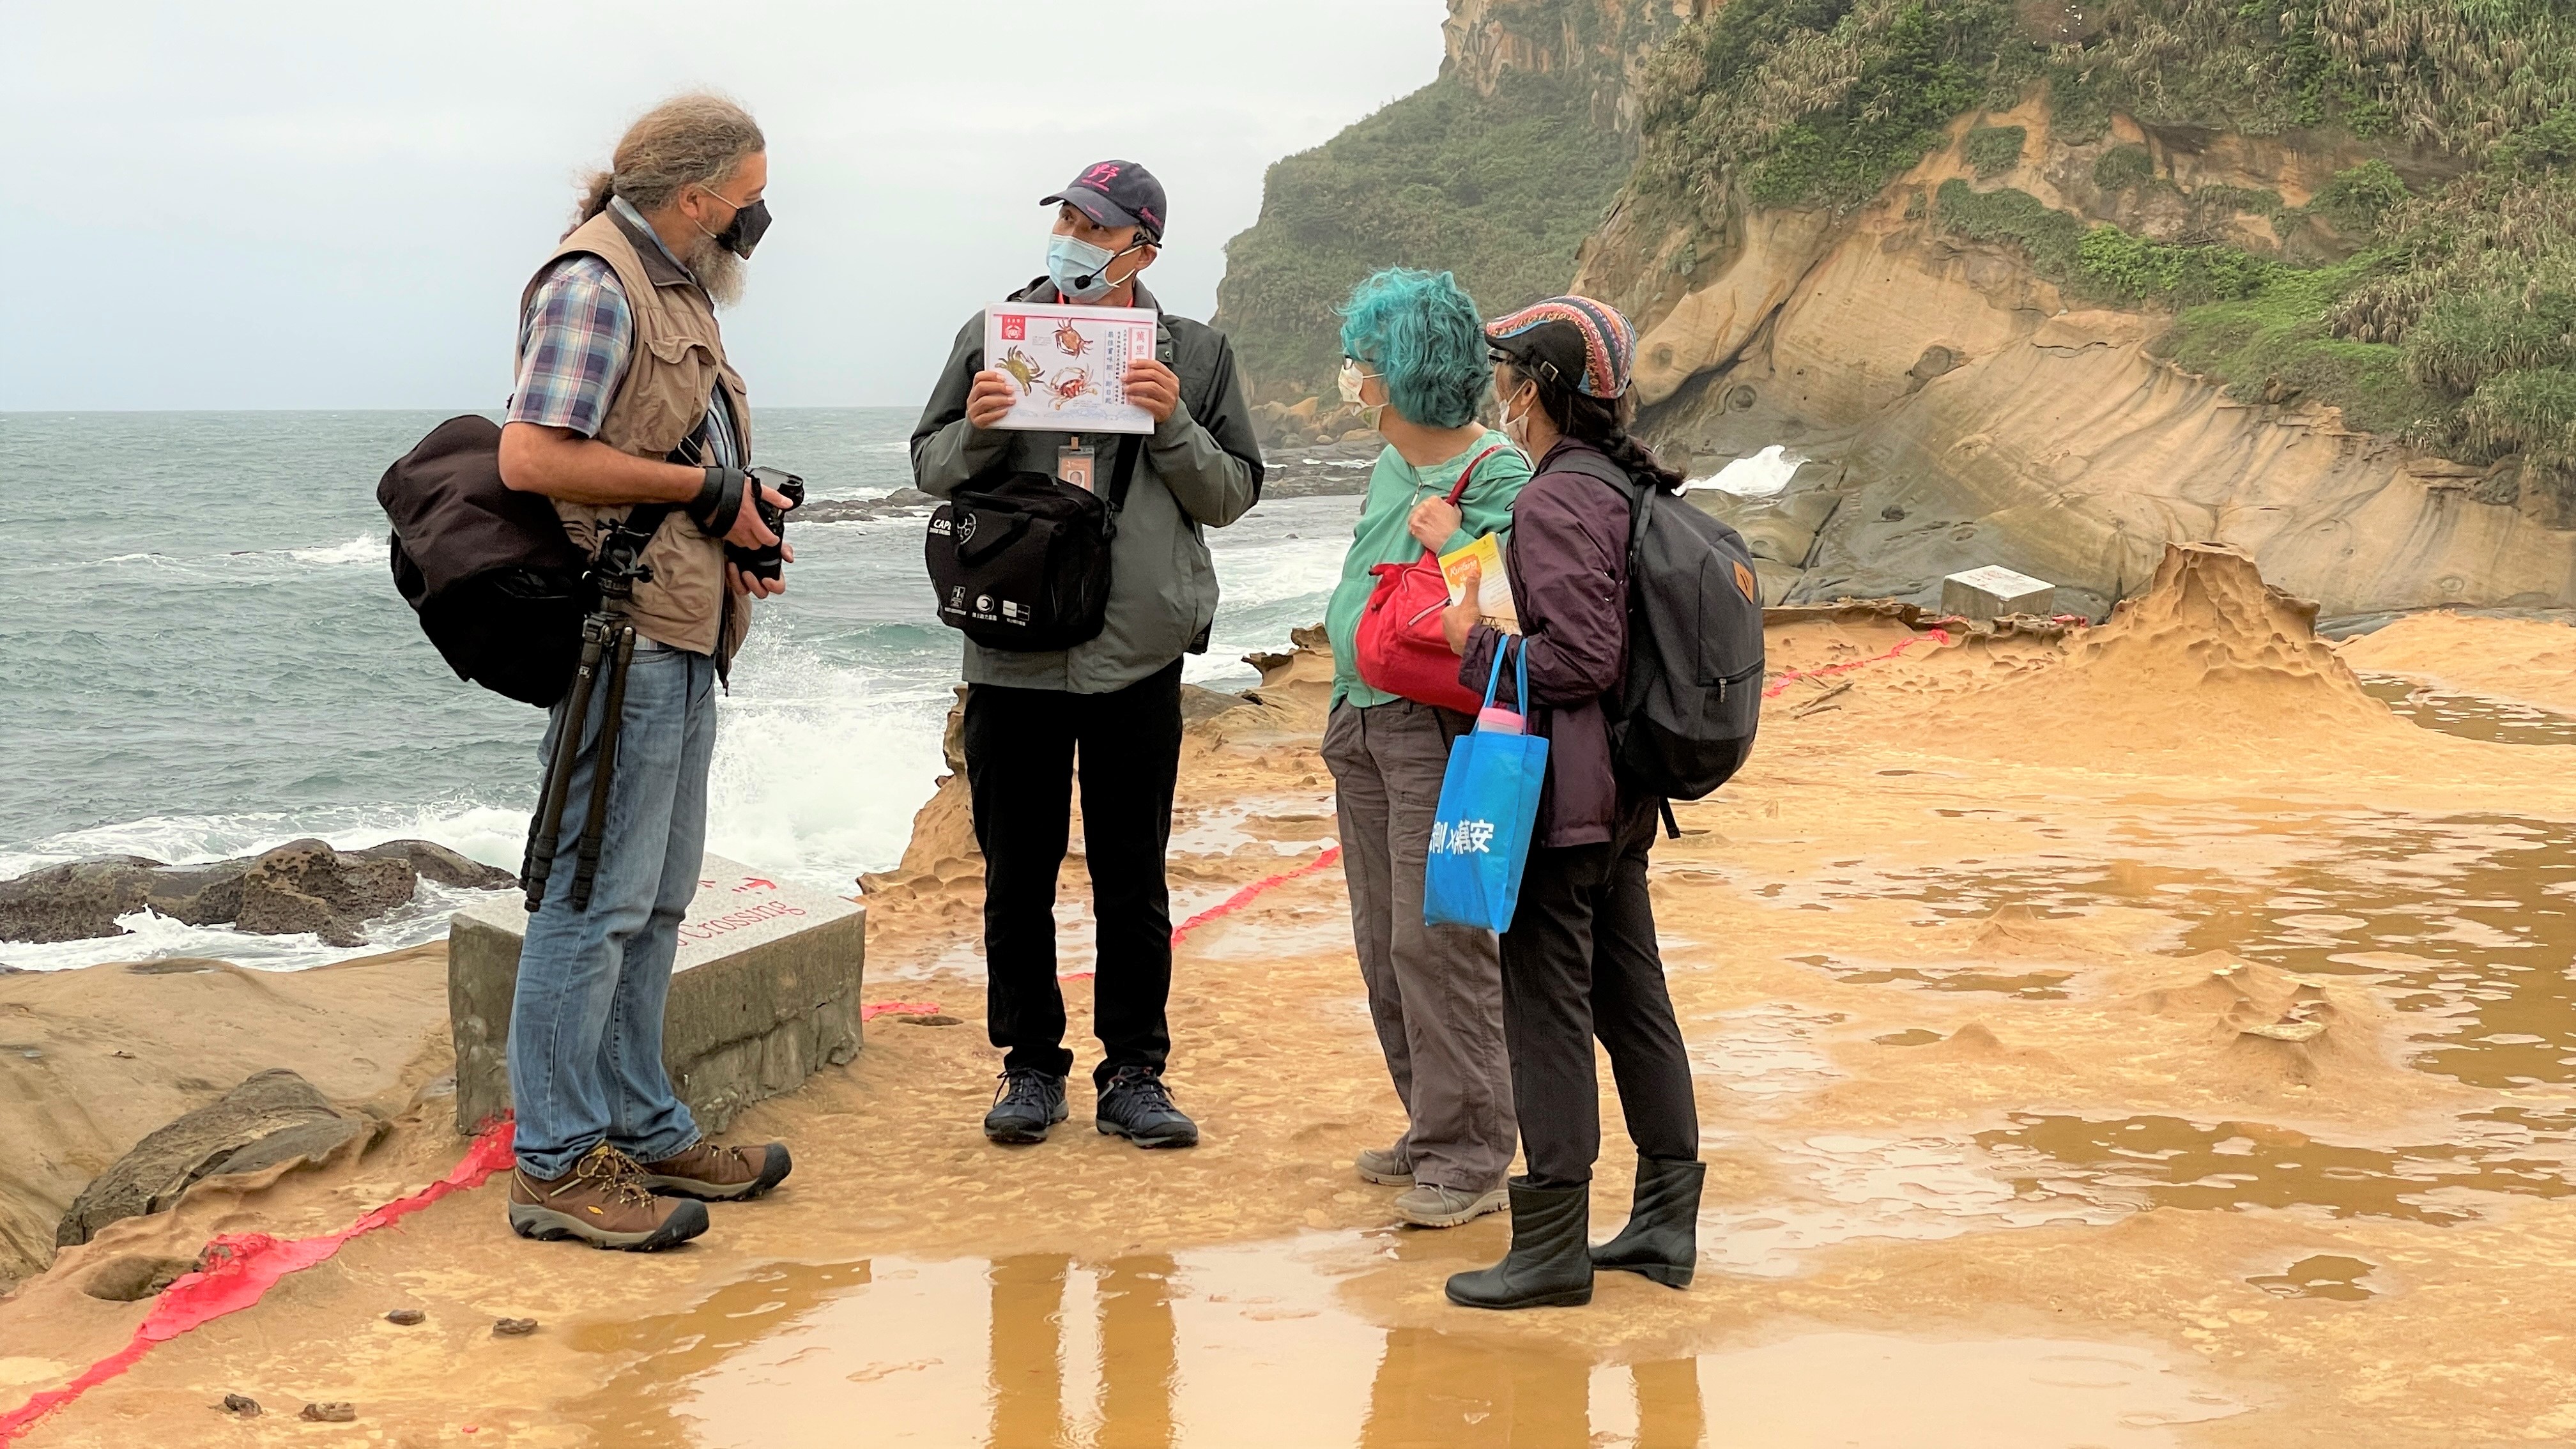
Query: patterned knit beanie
x=1569, y=340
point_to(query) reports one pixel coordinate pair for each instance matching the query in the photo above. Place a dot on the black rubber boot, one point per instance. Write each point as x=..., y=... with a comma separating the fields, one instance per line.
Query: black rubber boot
x=1549, y=1265
x=1661, y=1240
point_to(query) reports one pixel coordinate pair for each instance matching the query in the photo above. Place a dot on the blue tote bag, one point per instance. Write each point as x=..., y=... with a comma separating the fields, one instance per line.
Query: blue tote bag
x=1488, y=807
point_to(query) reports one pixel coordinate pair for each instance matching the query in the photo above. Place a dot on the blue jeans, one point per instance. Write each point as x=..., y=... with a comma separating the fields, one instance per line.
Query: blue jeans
x=586, y=1025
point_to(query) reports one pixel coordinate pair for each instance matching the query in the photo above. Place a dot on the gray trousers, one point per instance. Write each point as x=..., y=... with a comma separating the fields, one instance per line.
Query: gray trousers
x=1436, y=992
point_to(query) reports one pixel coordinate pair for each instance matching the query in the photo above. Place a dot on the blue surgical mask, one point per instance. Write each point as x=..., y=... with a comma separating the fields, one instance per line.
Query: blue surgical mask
x=1070, y=260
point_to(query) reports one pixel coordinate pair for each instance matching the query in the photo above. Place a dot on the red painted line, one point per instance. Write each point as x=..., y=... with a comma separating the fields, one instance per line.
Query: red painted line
x=1782, y=681
x=243, y=1267
x=1227, y=907
x=1244, y=897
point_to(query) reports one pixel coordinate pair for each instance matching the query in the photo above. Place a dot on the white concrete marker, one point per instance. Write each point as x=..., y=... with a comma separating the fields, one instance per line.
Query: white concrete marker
x=764, y=992
x=1991, y=592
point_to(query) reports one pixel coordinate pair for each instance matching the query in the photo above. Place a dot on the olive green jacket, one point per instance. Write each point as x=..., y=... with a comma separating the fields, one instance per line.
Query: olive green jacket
x=1199, y=470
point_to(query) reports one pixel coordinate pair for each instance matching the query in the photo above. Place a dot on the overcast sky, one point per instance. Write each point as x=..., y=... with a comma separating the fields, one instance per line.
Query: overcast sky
x=279, y=204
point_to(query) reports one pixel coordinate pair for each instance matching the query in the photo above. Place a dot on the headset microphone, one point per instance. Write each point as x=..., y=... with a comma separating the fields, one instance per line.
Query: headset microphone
x=1086, y=279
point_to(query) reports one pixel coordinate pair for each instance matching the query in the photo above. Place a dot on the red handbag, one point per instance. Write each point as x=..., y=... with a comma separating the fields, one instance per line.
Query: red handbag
x=1401, y=648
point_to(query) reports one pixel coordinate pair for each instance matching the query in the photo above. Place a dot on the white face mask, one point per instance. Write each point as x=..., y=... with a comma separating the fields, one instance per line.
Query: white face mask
x=1352, y=383
x=1516, y=428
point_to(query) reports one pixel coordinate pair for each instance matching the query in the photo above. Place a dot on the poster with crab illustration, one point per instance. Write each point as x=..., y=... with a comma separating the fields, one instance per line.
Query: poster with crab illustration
x=1068, y=364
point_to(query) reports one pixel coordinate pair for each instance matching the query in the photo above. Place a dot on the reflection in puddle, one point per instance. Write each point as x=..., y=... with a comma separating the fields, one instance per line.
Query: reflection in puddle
x=2471, y=918
x=2327, y=1275
x=2470, y=716
x=2167, y=1162
x=1248, y=1347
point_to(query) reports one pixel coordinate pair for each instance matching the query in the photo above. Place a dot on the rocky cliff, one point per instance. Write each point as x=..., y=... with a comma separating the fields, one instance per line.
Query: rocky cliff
x=1498, y=170
x=2051, y=287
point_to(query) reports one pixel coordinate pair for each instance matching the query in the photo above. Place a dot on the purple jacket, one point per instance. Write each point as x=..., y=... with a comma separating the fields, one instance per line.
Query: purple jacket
x=1568, y=562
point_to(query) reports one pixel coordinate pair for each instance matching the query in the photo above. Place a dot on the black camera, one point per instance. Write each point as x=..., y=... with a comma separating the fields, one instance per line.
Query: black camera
x=764, y=563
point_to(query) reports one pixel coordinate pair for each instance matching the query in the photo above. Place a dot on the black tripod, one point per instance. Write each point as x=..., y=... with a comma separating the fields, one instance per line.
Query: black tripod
x=607, y=642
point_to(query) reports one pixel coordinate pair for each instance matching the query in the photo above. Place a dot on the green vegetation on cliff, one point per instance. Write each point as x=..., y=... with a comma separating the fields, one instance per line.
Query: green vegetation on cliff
x=1500, y=190
x=1822, y=102
x=2446, y=316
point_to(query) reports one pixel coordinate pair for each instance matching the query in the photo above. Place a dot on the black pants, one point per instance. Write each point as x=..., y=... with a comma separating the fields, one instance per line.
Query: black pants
x=1580, y=962
x=1021, y=746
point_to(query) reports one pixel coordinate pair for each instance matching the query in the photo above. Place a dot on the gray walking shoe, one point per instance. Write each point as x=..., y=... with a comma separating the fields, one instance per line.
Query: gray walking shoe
x=1028, y=1102
x=1448, y=1207
x=1137, y=1106
x=1384, y=1167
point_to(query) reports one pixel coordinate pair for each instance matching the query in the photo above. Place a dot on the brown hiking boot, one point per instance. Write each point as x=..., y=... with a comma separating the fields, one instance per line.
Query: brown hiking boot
x=719, y=1174
x=603, y=1202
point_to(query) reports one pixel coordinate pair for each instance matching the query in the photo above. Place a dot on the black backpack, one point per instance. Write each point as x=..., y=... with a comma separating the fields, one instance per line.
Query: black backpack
x=497, y=584
x=1684, y=722
x=1021, y=562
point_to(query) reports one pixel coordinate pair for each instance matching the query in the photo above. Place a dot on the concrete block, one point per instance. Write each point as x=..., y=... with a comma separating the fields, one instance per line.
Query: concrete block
x=1989, y=593
x=764, y=994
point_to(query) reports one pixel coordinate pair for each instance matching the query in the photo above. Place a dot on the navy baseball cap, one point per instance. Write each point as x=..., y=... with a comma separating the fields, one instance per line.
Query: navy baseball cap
x=1116, y=193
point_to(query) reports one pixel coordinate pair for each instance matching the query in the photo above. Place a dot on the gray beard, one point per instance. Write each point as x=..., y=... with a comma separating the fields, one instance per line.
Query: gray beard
x=717, y=270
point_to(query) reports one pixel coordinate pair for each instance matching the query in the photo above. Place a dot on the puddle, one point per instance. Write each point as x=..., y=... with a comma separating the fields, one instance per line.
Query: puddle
x=1283, y=825
x=1911, y=1036
x=2470, y=716
x=1917, y=1189
x=1766, y=1051
x=1969, y=976
x=2142, y=1162
x=1249, y=1347
x=2043, y=1171
x=2471, y=918
x=2327, y=1275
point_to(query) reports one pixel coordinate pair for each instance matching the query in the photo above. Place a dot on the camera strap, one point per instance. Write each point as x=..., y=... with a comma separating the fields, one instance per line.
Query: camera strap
x=645, y=519
x=1123, y=474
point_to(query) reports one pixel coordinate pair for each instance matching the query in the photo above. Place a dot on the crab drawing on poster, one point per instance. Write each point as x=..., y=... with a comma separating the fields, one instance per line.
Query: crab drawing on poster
x=1068, y=365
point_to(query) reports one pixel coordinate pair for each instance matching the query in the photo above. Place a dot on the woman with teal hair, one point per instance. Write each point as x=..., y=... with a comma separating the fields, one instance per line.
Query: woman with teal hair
x=1415, y=360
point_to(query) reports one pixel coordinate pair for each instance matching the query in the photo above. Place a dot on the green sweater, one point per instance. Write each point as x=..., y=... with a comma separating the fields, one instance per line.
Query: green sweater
x=1394, y=487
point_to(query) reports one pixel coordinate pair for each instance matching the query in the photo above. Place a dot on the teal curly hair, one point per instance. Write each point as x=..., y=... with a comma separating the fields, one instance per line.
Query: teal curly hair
x=1420, y=331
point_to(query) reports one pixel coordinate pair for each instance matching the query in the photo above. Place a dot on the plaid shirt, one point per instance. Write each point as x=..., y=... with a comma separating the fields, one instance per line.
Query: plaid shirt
x=573, y=348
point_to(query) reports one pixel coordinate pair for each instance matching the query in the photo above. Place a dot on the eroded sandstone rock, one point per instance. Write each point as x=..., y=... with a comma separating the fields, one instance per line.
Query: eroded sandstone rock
x=303, y=885
x=275, y=1116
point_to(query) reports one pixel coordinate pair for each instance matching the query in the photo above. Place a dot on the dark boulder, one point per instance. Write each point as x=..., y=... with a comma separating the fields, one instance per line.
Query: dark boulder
x=442, y=866
x=74, y=901
x=273, y=1117
x=305, y=885
x=198, y=895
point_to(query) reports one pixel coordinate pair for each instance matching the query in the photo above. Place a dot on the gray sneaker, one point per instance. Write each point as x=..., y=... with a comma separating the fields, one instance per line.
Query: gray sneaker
x=1428, y=1206
x=1382, y=1166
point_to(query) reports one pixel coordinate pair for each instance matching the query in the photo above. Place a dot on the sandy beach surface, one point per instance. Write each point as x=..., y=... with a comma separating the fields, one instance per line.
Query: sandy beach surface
x=2139, y=1035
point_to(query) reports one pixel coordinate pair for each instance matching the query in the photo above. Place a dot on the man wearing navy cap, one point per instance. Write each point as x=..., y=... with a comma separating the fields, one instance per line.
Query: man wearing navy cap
x=1115, y=701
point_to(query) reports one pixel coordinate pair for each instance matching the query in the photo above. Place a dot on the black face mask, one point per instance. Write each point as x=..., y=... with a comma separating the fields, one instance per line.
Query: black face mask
x=744, y=231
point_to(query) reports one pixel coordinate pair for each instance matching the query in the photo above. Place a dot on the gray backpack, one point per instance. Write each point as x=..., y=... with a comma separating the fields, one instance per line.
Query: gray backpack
x=1684, y=722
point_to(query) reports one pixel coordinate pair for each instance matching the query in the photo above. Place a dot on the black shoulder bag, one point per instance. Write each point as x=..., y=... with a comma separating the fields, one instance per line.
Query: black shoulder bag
x=1021, y=562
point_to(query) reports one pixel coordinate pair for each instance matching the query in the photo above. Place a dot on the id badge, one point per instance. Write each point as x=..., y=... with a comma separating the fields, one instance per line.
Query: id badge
x=1073, y=465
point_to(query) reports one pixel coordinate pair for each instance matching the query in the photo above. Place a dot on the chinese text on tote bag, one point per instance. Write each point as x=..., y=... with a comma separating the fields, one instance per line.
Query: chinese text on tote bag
x=1488, y=808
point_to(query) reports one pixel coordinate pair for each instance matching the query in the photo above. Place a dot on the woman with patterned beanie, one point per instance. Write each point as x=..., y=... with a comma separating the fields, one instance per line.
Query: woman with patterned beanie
x=1580, y=959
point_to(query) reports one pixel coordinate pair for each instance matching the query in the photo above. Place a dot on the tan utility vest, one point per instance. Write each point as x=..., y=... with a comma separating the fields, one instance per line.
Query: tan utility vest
x=677, y=360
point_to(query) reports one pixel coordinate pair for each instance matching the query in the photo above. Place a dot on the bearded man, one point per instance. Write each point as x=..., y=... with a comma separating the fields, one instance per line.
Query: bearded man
x=625, y=398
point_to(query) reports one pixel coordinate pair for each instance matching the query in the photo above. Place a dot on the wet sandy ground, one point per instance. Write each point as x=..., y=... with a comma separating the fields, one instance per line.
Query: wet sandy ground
x=2068, y=1078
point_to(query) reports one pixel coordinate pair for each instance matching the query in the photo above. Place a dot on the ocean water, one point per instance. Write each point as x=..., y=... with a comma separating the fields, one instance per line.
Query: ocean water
x=202, y=655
